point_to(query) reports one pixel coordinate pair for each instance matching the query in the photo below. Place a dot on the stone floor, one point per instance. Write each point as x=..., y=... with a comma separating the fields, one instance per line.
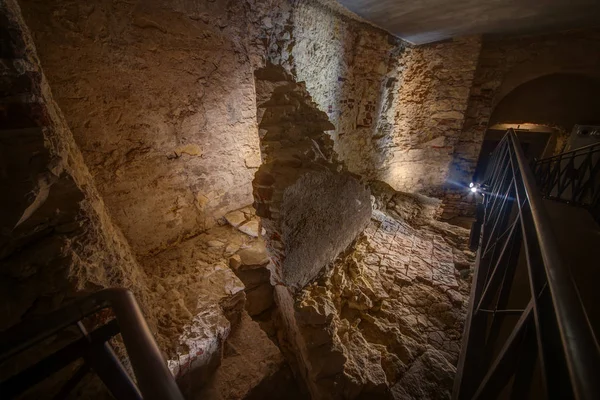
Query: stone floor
x=420, y=267
x=391, y=307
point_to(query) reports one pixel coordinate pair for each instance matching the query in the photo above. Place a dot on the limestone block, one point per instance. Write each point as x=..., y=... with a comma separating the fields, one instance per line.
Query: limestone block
x=250, y=228
x=235, y=218
x=235, y=261
x=322, y=214
x=219, y=295
x=254, y=254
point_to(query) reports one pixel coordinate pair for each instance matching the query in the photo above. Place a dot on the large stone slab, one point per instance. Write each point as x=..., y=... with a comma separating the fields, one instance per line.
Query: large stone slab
x=322, y=214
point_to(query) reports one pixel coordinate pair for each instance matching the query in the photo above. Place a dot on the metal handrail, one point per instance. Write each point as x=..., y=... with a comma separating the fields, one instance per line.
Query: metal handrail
x=572, y=177
x=154, y=379
x=553, y=325
x=579, y=343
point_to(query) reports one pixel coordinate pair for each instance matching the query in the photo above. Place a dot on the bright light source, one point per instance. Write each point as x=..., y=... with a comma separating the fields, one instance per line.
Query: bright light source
x=471, y=184
x=474, y=189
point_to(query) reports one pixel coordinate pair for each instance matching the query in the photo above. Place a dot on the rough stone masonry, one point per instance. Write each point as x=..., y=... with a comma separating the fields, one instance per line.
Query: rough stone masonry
x=130, y=129
x=311, y=208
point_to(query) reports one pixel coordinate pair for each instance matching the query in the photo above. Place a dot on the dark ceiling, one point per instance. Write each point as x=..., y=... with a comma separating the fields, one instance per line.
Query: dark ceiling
x=425, y=21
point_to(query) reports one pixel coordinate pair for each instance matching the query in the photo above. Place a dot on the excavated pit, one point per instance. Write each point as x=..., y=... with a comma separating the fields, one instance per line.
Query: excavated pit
x=267, y=178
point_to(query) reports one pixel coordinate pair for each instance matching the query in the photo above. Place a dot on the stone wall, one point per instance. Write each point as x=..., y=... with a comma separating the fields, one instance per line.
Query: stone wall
x=160, y=98
x=505, y=64
x=349, y=69
x=312, y=208
x=397, y=110
x=164, y=109
x=57, y=241
x=57, y=237
x=432, y=99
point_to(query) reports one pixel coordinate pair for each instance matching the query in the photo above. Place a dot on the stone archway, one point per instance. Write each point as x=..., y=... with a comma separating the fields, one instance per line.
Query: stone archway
x=561, y=99
x=544, y=111
x=503, y=66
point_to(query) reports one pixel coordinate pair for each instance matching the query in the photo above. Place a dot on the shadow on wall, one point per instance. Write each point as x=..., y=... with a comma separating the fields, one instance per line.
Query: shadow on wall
x=311, y=208
x=351, y=72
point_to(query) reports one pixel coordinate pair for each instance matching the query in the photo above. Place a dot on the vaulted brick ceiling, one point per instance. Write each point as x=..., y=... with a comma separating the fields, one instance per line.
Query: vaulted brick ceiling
x=425, y=21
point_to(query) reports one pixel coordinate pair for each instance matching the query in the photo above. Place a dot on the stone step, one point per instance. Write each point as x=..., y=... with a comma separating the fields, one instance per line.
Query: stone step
x=249, y=359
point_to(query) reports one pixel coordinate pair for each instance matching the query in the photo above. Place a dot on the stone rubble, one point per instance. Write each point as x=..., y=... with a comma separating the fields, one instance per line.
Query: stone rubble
x=207, y=289
x=235, y=218
x=249, y=358
x=392, y=303
x=384, y=321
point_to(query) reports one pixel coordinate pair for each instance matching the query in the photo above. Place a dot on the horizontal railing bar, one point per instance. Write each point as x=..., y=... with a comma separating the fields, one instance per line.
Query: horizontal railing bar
x=567, y=153
x=508, y=348
x=515, y=311
x=562, y=157
x=28, y=334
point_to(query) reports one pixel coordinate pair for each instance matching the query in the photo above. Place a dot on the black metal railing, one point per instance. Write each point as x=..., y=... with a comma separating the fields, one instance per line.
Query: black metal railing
x=517, y=333
x=572, y=177
x=154, y=380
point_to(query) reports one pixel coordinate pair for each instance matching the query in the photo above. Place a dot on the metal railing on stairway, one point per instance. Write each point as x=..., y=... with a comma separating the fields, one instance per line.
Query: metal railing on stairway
x=154, y=380
x=572, y=177
x=549, y=331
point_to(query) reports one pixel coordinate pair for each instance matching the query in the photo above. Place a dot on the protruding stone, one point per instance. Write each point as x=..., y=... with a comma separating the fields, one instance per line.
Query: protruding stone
x=250, y=228
x=235, y=261
x=215, y=243
x=231, y=249
x=256, y=254
x=455, y=298
x=220, y=301
x=430, y=377
x=249, y=358
x=235, y=218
